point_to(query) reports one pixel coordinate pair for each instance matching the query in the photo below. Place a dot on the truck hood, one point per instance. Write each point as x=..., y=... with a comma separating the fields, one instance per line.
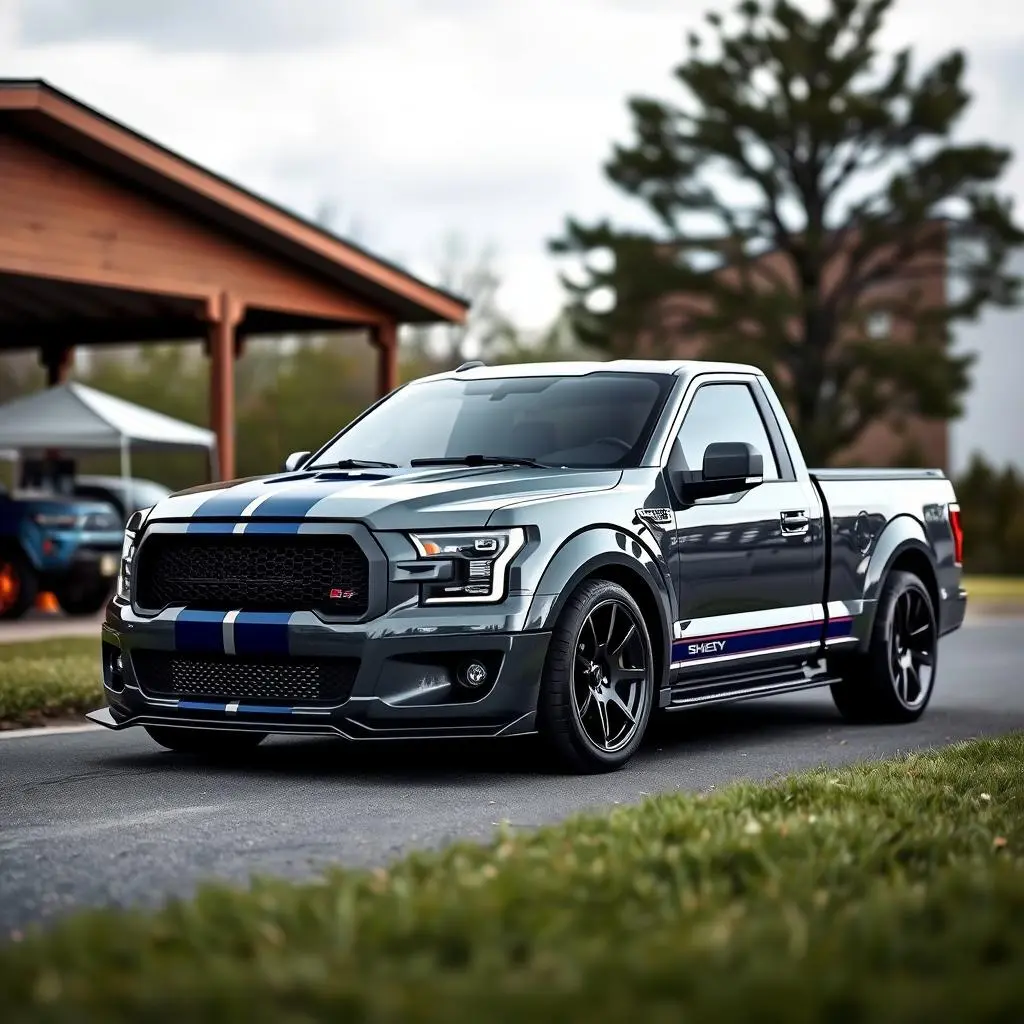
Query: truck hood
x=398, y=499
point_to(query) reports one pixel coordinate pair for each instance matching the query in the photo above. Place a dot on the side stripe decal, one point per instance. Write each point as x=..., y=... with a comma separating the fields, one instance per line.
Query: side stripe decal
x=720, y=645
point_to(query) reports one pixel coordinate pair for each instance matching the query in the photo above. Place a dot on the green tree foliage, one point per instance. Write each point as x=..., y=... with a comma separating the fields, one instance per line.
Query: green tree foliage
x=829, y=182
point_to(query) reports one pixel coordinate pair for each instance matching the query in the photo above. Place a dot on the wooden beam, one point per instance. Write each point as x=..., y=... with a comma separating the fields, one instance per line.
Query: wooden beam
x=228, y=314
x=58, y=360
x=385, y=338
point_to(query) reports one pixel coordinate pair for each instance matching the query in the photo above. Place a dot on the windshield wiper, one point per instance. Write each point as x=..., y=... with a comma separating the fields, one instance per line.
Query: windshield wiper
x=480, y=460
x=357, y=464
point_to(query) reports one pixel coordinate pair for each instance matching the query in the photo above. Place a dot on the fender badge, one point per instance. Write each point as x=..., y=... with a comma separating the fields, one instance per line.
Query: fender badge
x=655, y=516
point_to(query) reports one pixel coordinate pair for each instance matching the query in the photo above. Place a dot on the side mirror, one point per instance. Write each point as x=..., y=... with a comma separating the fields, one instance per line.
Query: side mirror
x=295, y=461
x=729, y=467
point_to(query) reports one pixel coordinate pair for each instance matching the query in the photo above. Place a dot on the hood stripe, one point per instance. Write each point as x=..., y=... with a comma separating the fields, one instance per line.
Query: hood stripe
x=291, y=504
x=227, y=504
x=201, y=527
x=270, y=527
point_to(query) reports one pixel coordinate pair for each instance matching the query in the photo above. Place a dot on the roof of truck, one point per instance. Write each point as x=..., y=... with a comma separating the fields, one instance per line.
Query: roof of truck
x=584, y=366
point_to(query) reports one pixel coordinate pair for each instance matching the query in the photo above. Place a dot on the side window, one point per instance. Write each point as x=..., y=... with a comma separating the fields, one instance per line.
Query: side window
x=724, y=412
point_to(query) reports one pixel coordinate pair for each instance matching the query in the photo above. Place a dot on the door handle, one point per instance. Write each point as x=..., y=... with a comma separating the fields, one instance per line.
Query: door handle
x=794, y=522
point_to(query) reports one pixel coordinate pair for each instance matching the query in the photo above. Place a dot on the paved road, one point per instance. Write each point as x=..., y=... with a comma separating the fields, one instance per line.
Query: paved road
x=102, y=818
x=48, y=626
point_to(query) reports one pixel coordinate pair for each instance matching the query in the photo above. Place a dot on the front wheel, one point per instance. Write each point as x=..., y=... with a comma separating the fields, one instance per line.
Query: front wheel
x=893, y=680
x=215, y=742
x=597, y=690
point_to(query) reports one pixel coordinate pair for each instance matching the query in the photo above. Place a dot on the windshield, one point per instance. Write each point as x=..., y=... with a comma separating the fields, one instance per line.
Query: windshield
x=598, y=420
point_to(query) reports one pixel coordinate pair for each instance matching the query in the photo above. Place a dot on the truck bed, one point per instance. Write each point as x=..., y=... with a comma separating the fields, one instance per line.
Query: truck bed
x=853, y=475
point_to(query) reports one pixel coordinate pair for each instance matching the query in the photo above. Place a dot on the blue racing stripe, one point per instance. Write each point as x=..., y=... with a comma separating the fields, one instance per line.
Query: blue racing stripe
x=261, y=633
x=199, y=705
x=254, y=527
x=229, y=503
x=201, y=527
x=291, y=503
x=261, y=709
x=199, y=631
x=718, y=645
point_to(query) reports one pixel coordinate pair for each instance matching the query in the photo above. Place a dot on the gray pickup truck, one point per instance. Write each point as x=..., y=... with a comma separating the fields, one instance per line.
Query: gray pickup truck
x=564, y=549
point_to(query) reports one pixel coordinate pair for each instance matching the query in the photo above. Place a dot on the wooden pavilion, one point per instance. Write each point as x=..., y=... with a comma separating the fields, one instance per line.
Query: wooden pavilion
x=107, y=236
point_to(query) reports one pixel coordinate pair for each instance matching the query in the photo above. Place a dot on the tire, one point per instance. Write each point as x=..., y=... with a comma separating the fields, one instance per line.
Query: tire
x=84, y=600
x=582, y=677
x=209, y=742
x=893, y=681
x=19, y=585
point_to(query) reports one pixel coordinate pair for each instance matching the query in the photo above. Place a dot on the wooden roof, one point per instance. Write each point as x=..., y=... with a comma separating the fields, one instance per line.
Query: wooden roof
x=35, y=110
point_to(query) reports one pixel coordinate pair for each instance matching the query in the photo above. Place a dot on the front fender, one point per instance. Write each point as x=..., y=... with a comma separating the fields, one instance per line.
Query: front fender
x=903, y=536
x=605, y=548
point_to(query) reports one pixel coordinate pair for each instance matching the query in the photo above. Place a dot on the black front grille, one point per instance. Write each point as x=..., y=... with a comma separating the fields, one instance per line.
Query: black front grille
x=228, y=678
x=221, y=572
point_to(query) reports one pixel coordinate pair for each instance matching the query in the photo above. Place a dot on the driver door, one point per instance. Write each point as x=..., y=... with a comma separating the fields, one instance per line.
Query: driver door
x=749, y=566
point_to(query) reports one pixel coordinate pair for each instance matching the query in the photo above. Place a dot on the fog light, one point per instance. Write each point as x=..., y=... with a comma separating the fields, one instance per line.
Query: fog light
x=472, y=675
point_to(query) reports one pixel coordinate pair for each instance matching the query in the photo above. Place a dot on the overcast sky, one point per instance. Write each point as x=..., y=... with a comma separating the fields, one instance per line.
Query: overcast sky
x=419, y=118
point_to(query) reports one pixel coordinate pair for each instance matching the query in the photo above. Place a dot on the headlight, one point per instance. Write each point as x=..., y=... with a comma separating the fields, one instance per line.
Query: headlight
x=479, y=562
x=131, y=535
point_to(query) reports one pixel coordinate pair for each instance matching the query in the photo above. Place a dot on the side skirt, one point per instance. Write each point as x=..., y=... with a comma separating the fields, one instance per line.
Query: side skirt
x=747, y=686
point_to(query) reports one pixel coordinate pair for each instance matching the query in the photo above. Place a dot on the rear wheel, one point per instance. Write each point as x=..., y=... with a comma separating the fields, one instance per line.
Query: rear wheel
x=205, y=741
x=893, y=680
x=19, y=586
x=598, y=685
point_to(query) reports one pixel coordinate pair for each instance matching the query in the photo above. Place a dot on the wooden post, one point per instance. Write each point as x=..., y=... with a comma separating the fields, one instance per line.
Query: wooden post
x=226, y=314
x=57, y=360
x=385, y=338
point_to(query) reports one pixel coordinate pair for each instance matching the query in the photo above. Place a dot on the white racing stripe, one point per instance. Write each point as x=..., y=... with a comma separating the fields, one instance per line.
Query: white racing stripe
x=251, y=507
x=228, y=633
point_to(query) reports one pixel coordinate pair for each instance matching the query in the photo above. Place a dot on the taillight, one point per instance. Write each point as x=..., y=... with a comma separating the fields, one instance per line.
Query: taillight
x=958, y=534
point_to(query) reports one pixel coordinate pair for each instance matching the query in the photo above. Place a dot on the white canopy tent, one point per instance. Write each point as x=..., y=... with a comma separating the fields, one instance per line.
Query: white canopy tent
x=78, y=419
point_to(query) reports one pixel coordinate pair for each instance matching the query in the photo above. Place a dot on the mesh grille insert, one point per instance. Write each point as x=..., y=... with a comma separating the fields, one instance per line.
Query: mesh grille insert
x=223, y=677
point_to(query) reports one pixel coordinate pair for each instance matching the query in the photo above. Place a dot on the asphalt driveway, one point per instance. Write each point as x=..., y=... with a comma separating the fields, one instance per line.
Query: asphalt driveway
x=96, y=818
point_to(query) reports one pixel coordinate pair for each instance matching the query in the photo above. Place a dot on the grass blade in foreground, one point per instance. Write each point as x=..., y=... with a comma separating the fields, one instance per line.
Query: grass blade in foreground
x=885, y=892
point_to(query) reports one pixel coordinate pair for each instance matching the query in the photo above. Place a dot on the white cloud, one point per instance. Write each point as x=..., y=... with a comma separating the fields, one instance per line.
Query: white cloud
x=416, y=119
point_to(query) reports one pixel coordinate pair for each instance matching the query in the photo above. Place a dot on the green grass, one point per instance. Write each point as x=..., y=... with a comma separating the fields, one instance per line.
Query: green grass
x=995, y=588
x=887, y=892
x=48, y=679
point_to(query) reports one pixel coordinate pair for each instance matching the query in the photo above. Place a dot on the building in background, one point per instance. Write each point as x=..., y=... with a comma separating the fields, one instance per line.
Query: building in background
x=993, y=420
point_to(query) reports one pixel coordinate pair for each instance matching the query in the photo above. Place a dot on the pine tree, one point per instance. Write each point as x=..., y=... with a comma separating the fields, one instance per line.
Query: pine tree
x=803, y=190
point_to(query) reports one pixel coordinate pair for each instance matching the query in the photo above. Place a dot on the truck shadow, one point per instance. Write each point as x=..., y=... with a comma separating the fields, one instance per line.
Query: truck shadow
x=671, y=737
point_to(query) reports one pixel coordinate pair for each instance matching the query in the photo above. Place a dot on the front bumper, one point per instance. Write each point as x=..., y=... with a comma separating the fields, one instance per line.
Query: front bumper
x=404, y=683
